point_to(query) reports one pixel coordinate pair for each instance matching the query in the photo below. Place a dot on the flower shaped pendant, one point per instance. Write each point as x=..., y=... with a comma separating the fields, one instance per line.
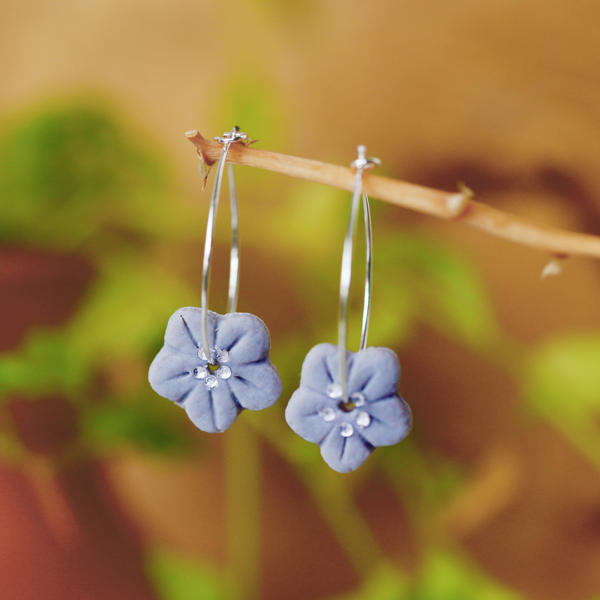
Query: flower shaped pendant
x=374, y=415
x=242, y=375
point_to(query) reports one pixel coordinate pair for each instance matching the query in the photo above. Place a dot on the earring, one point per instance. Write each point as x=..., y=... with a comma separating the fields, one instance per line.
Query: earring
x=212, y=365
x=348, y=402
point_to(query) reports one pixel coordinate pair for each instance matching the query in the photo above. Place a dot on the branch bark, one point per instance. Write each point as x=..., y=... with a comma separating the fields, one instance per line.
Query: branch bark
x=452, y=207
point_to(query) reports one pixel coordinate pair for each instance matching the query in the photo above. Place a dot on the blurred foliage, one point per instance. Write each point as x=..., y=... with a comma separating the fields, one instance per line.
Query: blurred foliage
x=73, y=178
x=176, y=578
x=562, y=384
x=259, y=108
x=433, y=284
x=126, y=302
x=58, y=367
x=150, y=426
x=71, y=175
x=385, y=583
x=443, y=577
x=564, y=378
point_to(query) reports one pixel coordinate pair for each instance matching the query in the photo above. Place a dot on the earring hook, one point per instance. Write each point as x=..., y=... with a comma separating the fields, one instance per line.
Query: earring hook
x=228, y=138
x=361, y=164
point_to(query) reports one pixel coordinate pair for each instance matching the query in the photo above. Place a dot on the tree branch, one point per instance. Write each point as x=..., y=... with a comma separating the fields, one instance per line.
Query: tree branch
x=455, y=207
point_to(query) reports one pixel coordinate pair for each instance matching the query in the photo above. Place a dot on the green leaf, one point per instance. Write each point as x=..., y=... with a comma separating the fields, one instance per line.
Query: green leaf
x=386, y=583
x=443, y=577
x=444, y=287
x=46, y=363
x=12, y=451
x=446, y=577
x=70, y=173
x=562, y=384
x=128, y=309
x=250, y=100
x=177, y=578
x=564, y=378
x=151, y=426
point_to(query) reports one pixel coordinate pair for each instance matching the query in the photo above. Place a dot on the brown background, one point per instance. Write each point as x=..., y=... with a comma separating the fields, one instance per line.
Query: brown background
x=504, y=95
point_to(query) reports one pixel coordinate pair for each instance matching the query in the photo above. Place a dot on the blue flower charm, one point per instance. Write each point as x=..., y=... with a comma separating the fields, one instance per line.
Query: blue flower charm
x=375, y=415
x=213, y=395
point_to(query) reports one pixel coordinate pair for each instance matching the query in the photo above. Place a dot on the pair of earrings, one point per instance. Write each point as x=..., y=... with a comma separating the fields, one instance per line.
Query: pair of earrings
x=215, y=366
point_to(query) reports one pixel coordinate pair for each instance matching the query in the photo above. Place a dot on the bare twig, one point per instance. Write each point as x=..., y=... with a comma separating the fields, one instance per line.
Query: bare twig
x=445, y=205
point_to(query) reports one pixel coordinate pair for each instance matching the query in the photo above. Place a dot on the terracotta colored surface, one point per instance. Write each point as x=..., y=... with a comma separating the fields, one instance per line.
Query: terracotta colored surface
x=63, y=533
x=63, y=537
x=37, y=288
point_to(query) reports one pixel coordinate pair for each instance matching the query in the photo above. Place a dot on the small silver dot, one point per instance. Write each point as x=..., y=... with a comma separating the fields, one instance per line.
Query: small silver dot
x=199, y=372
x=224, y=372
x=358, y=398
x=211, y=382
x=327, y=414
x=221, y=355
x=363, y=419
x=346, y=430
x=334, y=390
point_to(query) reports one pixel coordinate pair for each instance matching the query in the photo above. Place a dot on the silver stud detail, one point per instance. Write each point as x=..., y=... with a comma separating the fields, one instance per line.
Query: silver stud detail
x=211, y=382
x=327, y=414
x=222, y=356
x=346, y=430
x=224, y=372
x=363, y=419
x=358, y=399
x=199, y=372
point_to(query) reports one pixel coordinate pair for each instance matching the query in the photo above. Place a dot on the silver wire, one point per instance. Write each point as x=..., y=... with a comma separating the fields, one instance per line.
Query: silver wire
x=360, y=164
x=234, y=261
x=368, y=275
x=228, y=138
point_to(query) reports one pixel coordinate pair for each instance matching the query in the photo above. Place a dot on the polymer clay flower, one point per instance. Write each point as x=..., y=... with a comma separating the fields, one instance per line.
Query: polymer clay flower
x=347, y=432
x=242, y=375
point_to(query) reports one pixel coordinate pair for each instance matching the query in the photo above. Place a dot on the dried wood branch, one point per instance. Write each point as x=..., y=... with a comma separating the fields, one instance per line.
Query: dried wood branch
x=444, y=205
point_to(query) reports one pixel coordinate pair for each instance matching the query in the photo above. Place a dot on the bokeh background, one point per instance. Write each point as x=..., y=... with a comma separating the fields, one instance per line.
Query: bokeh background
x=107, y=491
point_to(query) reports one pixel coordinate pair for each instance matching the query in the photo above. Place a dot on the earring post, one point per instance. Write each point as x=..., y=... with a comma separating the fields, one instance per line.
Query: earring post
x=226, y=140
x=360, y=164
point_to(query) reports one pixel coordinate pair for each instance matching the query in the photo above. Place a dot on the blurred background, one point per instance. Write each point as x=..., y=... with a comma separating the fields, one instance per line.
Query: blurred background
x=107, y=491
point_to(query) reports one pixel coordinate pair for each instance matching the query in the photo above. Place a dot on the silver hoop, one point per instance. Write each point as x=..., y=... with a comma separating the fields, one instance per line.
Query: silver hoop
x=228, y=138
x=360, y=164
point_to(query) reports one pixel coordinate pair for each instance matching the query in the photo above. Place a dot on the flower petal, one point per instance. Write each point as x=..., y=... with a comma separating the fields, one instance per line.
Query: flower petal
x=184, y=330
x=302, y=414
x=170, y=374
x=344, y=454
x=375, y=372
x=256, y=385
x=249, y=374
x=320, y=367
x=212, y=410
x=244, y=336
x=391, y=421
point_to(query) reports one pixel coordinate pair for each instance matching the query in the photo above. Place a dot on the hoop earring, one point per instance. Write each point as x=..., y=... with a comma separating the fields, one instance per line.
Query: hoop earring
x=348, y=403
x=215, y=366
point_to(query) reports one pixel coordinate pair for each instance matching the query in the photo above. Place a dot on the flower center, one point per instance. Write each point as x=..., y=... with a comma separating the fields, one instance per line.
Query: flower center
x=347, y=406
x=355, y=401
x=211, y=373
x=216, y=354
